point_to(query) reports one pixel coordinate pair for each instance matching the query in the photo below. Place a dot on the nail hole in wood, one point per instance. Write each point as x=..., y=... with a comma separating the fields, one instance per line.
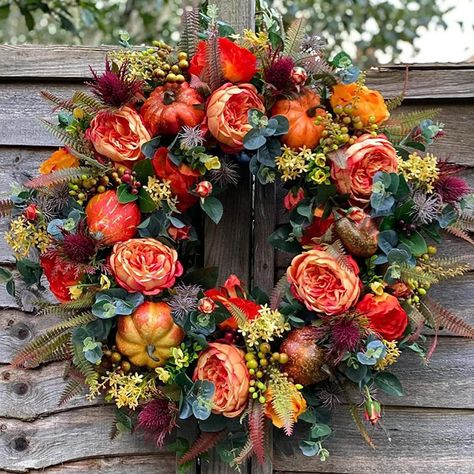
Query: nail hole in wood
x=20, y=388
x=20, y=444
x=6, y=375
x=21, y=331
x=17, y=159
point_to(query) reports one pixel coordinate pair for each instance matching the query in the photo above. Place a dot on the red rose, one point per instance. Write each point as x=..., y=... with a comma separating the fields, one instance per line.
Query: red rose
x=387, y=318
x=203, y=189
x=182, y=178
x=179, y=233
x=31, y=212
x=60, y=277
x=238, y=64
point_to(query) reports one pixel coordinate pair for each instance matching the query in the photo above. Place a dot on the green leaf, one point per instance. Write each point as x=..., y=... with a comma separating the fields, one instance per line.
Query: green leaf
x=5, y=275
x=145, y=201
x=279, y=240
x=11, y=287
x=389, y=383
x=149, y=148
x=4, y=11
x=30, y=271
x=275, y=40
x=213, y=208
x=254, y=139
x=124, y=195
x=143, y=170
x=319, y=430
x=416, y=243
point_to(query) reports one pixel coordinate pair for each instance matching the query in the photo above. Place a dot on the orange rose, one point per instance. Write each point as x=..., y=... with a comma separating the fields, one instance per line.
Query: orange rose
x=224, y=366
x=298, y=404
x=227, y=114
x=367, y=104
x=119, y=135
x=387, y=318
x=59, y=160
x=364, y=158
x=324, y=285
x=181, y=178
x=238, y=64
x=145, y=265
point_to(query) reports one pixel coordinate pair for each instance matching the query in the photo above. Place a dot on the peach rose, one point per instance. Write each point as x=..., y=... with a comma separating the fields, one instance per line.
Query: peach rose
x=224, y=366
x=59, y=160
x=145, y=265
x=227, y=114
x=368, y=104
x=363, y=159
x=319, y=281
x=298, y=404
x=119, y=135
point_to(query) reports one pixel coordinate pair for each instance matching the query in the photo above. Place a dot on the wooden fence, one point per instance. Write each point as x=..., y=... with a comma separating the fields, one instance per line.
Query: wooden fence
x=431, y=427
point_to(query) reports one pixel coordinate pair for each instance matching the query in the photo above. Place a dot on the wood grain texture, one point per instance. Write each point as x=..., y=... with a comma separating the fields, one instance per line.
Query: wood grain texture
x=162, y=464
x=424, y=441
x=74, y=435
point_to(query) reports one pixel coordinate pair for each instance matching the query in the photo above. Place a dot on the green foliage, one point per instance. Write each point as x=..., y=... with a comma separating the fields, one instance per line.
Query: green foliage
x=294, y=36
x=401, y=124
x=76, y=143
x=57, y=177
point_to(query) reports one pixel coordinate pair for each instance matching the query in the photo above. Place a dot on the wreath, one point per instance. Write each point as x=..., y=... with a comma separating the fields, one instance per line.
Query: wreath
x=110, y=229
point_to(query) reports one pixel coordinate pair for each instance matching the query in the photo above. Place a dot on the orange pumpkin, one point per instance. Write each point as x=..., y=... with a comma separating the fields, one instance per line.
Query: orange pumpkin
x=115, y=221
x=171, y=106
x=301, y=113
x=147, y=336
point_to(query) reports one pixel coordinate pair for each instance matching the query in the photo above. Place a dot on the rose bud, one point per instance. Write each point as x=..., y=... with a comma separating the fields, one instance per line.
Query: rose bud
x=206, y=305
x=203, y=189
x=31, y=212
x=179, y=233
x=298, y=76
x=293, y=198
x=372, y=411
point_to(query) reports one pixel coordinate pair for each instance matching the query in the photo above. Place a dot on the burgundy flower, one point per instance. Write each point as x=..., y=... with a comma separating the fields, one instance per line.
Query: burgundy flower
x=452, y=188
x=158, y=419
x=279, y=72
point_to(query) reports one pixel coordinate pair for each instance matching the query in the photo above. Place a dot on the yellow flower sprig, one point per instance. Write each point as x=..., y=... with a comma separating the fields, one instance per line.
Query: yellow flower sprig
x=23, y=235
x=422, y=171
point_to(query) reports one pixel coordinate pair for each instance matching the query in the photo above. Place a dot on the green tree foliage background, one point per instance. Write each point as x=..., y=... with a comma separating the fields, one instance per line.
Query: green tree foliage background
x=372, y=25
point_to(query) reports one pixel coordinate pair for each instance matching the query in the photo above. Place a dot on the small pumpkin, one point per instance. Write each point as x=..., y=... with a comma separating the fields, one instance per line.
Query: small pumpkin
x=172, y=106
x=147, y=336
x=116, y=222
x=301, y=113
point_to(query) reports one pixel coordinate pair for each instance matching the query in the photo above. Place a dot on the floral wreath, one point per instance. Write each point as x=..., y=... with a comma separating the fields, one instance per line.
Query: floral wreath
x=109, y=227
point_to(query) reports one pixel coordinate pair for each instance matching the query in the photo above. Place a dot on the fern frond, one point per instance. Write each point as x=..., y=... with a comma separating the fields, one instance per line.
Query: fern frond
x=213, y=73
x=244, y=453
x=338, y=252
x=6, y=207
x=47, y=344
x=63, y=352
x=448, y=320
x=360, y=426
x=443, y=268
x=71, y=141
x=465, y=222
x=87, y=102
x=189, y=30
x=41, y=349
x=205, y=441
x=278, y=292
x=417, y=320
x=257, y=430
x=282, y=391
x=69, y=308
x=410, y=273
x=65, y=104
x=85, y=368
x=460, y=233
x=238, y=314
x=73, y=389
x=400, y=125
x=294, y=37
x=58, y=177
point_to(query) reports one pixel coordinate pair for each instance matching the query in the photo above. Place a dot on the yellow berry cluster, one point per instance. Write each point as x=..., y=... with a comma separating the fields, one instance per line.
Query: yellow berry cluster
x=114, y=360
x=419, y=288
x=173, y=69
x=258, y=363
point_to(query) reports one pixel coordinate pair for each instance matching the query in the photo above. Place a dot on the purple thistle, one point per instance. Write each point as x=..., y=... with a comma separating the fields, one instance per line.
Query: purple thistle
x=278, y=73
x=158, y=419
x=113, y=87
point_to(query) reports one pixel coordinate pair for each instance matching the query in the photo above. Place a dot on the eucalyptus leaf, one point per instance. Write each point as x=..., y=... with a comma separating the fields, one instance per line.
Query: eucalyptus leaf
x=389, y=383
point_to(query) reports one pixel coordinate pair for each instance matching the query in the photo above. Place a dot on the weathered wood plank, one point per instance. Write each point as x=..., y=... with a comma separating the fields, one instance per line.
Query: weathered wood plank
x=424, y=441
x=52, y=61
x=164, y=464
x=73, y=435
x=29, y=394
